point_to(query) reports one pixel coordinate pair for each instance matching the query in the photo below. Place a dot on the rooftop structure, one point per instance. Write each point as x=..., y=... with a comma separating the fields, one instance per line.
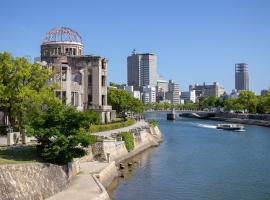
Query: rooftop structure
x=62, y=35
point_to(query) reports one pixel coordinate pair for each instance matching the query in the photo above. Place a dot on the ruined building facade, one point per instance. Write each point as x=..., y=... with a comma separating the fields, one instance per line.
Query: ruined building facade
x=82, y=78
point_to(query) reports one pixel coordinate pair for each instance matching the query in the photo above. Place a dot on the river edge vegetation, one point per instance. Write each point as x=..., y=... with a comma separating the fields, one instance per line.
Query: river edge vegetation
x=128, y=138
x=111, y=126
x=27, y=98
x=247, y=102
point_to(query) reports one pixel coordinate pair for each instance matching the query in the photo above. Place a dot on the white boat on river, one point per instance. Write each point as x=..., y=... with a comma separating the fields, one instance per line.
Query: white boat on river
x=231, y=127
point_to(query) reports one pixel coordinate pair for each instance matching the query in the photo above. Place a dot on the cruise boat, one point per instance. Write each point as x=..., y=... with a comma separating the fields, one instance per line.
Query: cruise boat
x=231, y=127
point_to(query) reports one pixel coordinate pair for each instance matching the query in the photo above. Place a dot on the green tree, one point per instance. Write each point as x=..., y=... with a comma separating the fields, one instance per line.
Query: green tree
x=233, y=104
x=62, y=132
x=122, y=101
x=249, y=101
x=23, y=88
x=264, y=103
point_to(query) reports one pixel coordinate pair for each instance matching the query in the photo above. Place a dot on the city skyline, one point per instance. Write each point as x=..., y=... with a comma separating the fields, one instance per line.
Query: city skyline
x=194, y=42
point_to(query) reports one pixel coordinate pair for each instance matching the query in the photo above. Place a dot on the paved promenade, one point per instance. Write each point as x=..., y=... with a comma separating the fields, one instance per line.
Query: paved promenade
x=125, y=129
x=83, y=186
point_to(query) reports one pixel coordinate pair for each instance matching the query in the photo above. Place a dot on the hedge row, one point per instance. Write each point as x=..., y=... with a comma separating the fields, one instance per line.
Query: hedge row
x=111, y=126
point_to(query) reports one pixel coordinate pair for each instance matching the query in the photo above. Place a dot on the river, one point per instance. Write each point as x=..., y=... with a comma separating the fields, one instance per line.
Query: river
x=198, y=162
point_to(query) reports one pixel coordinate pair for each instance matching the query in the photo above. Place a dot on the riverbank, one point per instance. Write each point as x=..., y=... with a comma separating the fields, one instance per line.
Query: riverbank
x=93, y=178
x=242, y=121
x=250, y=119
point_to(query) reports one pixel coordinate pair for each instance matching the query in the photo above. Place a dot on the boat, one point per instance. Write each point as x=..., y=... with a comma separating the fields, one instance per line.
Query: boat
x=231, y=127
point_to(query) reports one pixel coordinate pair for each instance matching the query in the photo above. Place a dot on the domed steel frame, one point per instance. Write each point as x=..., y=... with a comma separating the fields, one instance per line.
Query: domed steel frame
x=62, y=34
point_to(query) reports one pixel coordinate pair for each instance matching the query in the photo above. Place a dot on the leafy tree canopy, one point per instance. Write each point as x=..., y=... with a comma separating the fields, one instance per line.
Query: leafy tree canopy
x=122, y=101
x=23, y=88
x=62, y=132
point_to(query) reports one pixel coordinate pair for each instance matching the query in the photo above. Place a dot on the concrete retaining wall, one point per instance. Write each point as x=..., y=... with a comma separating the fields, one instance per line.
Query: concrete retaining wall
x=35, y=180
x=32, y=181
x=107, y=175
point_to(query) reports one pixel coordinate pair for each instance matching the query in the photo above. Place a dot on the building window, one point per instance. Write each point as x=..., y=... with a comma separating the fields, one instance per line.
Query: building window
x=90, y=80
x=75, y=99
x=90, y=100
x=61, y=95
x=74, y=52
x=64, y=74
x=103, y=99
x=103, y=64
x=103, y=81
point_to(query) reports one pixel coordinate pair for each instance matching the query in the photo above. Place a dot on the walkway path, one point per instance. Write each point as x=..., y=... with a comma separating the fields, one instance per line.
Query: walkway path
x=125, y=129
x=83, y=186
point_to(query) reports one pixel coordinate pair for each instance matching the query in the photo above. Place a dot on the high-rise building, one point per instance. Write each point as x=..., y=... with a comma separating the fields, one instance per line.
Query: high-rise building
x=141, y=70
x=173, y=94
x=241, y=77
x=82, y=78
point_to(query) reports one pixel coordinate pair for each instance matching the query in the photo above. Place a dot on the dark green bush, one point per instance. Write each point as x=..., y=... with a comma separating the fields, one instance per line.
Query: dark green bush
x=62, y=133
x=115, y=125
x=128, y=139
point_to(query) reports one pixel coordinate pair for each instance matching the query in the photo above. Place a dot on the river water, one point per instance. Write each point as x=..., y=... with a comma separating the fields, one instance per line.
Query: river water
x=198, y=162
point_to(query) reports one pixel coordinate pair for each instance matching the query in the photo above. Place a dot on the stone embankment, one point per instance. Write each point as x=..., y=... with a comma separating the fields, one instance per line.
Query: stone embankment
x=82, y=179
x=33, y=181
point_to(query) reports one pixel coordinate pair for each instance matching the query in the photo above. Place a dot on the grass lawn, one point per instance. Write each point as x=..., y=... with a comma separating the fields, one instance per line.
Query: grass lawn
x=119, y=123
x=18, y=155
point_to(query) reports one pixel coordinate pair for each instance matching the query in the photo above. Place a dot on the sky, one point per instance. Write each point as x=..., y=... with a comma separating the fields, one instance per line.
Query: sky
x=195, y=41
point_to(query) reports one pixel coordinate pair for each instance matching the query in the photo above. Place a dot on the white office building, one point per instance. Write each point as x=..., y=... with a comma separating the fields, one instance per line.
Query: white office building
x=135, y=93
x=148, y=94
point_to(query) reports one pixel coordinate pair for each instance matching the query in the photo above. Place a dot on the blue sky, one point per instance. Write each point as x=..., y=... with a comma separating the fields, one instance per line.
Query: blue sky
x=196, y=41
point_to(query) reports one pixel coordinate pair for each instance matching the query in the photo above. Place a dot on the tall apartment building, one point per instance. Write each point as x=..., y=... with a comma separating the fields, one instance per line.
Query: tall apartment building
x=241, y=77
x=141, y=70
x=204, y=90
x=82, y=78
x=173, y=94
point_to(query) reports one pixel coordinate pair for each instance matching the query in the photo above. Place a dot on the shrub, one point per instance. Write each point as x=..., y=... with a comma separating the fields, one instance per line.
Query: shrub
x=153, y=122
x=114, y=125
x=128, y=139
x=61, y=132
